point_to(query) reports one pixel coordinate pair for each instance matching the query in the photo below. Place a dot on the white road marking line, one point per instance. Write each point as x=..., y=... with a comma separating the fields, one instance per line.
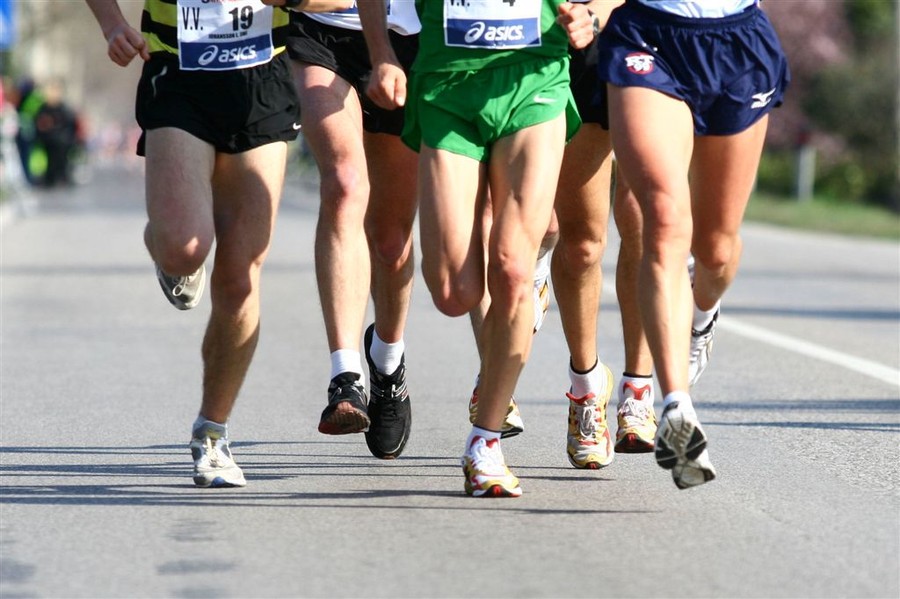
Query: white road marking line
x=868, y=367
x=861, y=365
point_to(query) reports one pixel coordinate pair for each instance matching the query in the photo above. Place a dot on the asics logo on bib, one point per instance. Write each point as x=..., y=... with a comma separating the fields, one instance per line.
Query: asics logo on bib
x=500, y=33
x=213, y=53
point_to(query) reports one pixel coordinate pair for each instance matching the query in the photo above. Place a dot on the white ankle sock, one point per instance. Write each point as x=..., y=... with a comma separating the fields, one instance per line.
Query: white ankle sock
x=386, y=356
x=201, y=421
x=702, y=318
x=483, y=433
x=641, y=384
x=683, y=399
x=346, y=360
x=587, y=382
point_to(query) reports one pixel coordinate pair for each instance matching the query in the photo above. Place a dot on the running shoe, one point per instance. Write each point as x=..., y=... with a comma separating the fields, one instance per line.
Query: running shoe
x=681, y=447
x=389, y=408
x=701, y=348
x=346, y=412
x=691, y=267
x=588, y=442
x=512, y=424
x=486, y=472
x=541, y=289
x=636, y=418
x=213, y=464
x=183, y=292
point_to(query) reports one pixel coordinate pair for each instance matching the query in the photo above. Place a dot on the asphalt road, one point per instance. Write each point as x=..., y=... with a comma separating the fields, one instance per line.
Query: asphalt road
x=99, y=384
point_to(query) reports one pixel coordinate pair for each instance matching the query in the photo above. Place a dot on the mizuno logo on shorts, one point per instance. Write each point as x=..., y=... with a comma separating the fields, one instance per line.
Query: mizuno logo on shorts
x=762, y=99
x=539, y=99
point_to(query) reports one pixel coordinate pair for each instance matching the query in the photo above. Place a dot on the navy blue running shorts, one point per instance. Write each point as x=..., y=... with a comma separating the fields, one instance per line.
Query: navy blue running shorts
x=234, y=111
x=730, y=71
x=344, y=52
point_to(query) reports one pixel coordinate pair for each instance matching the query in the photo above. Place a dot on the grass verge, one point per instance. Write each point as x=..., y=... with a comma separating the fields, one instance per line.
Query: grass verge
x=825, y=216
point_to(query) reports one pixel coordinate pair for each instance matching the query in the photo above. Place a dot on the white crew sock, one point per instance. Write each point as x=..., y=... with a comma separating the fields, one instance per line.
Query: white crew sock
x=591, y=381
x=346, y=360
x=682, y=397
x=702, y=318
x=386, y=356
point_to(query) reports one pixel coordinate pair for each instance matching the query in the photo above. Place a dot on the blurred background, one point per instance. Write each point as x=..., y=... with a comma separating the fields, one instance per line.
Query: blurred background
x=831, y=162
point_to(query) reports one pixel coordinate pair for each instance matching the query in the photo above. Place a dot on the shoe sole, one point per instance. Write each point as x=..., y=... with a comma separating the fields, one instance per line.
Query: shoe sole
x=685, y=460
x=389, y=454
x=492, y=491
x=216, y=483
x=496, y=491
x=511, y=432
x=590, y=464
x=631, y=443
x=345, y=420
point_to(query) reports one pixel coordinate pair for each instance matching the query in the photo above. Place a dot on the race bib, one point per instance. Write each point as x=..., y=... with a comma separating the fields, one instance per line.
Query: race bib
x=354, y=10
x=492, y=24
x=222, y=35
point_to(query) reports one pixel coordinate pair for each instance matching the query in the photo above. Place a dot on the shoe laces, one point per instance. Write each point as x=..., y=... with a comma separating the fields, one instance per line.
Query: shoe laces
x=586, y=415
x=486, y=456
x=216, y=451
x=341, y=392
x=179, y=283
x=635, y=412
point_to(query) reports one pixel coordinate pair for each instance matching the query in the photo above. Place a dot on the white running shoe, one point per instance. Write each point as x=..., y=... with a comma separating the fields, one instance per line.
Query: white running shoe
x=588, y=442
x=512, y=423
x=486, y=471
x=701, y=349
x=541, y=289
x=213, y=464
x=681, y=447
x=183, y=292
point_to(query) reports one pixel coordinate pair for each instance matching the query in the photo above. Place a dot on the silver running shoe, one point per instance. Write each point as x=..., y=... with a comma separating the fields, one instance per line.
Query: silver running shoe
x=701, y=348
x=183, y=292
x=213, y=464
x=681, y=447
x=541, y=290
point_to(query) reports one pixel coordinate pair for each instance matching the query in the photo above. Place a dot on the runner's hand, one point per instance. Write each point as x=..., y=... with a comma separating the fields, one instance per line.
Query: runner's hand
x=578, y=23
x=387, y=85
x=124, y=43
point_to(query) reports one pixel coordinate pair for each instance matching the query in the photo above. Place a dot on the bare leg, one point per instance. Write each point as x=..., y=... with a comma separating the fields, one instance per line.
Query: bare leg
x=331, y=119
x=389, y=222
x=247, y=188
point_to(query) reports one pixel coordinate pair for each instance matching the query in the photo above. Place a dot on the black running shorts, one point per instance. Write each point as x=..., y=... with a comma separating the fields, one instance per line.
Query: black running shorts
x=234, y=111
x=586, y=85
x=344, y=52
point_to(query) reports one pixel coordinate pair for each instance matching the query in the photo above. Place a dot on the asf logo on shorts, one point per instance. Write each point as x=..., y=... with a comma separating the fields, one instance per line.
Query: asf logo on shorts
x=639, y=63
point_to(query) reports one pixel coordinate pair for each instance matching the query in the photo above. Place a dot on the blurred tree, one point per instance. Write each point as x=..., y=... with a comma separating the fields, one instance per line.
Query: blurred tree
x=858, y=102
x=843, y=97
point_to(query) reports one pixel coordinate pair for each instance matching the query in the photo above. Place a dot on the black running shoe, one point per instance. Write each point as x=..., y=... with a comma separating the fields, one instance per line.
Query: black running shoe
x=389, y=408
x=346, y=411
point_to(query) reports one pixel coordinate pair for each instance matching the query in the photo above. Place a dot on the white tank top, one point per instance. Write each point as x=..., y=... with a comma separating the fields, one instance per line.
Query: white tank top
x=700, y=9
x=402, y=17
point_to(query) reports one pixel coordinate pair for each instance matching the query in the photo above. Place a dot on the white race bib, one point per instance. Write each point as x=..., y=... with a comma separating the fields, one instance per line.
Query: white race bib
x=492, y=24
x=222, y=35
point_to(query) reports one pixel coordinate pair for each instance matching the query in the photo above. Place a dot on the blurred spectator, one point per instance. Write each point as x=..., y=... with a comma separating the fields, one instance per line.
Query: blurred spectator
x=56, y=129
x=28, y=102
x=11, y=176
